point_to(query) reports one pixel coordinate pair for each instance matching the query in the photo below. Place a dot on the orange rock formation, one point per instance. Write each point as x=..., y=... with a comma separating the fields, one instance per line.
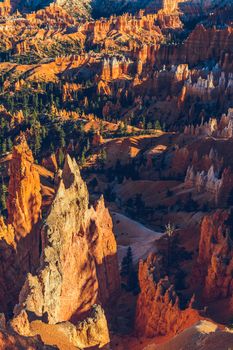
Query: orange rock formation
x=158, y=311
x=24, y=200
x=5, y=8
x=79, y=264
x=215, y=260
x=20, y=239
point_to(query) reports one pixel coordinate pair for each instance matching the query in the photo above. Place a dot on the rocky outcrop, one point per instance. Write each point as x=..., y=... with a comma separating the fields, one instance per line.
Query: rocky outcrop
x=199, y=46
x=9, y=276
x=16, y=335
x=24, y=199
x=19, y=237
x=93, y=331
x=24, y=206
x=5, y=8
x=202, y=41
x=79, y=263
x=20, y=324
x=204, y=182
x=215, y=260
x=218, y=129
x=7, y=233
x=114, y=69
x=158, y=309
x=128, y=26
x=13, y=341
x=13, y=119
x=211, y=86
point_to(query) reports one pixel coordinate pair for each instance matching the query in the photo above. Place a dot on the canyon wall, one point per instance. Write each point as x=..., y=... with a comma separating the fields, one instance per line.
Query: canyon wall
x=202, y=44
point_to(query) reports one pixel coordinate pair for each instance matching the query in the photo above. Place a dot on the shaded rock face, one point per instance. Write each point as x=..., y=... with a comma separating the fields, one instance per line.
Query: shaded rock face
x=20, y=237
x=10, y=278
x=12, y=341
x=79, y=262
x=199, y=46
x=158, y=311
x=215, y=261
x=17, y=335
x=24, y=200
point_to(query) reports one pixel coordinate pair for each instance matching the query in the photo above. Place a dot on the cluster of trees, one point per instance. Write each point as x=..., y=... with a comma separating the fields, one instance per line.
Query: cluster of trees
x=121, y=171
x=135, y=207
x=39, y=102
x=128, y=272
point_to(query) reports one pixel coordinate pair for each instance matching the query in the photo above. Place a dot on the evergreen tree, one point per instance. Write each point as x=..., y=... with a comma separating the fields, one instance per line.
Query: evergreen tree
x=127, y=263
x=102, y=158
x=9, y=144
x=61, y=158
x=4, y=146
x=149, y=126
x=128, y=271
x=3, y=195
x=83, y=159
x=157, y=125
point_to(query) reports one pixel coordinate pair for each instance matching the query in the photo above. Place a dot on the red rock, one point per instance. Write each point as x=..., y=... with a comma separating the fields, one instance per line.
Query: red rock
x=158, y=311
x=13, y=341
x=50, y=163
x=24, y=199
x=20, y=238
x=215, y=260
x=97, y=139
x=5, y=8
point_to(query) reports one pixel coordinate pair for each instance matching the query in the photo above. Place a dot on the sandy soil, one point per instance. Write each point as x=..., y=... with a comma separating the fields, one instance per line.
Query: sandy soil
x=131, y=233
x=51, y=335
x=203, y=336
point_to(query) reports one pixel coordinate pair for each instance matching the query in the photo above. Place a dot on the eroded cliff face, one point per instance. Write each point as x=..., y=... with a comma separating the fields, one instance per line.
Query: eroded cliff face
x=9, y=277
x=20, y=236
x=24, y=199
x=79, y=262
x=199, y=46
x=158, y=309
x=215, y=260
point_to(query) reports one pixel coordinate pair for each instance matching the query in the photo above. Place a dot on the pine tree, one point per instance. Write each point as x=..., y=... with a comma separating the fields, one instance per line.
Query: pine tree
x=61, y=158
x=128, y=271
x=103, y=157
x=125, y=128
x=3, y=193
x=149, y=126
x=83, y=159
x=101, y=127
x=157, y=125
x=127, y=263
x=9, y=144
x=4, y=146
